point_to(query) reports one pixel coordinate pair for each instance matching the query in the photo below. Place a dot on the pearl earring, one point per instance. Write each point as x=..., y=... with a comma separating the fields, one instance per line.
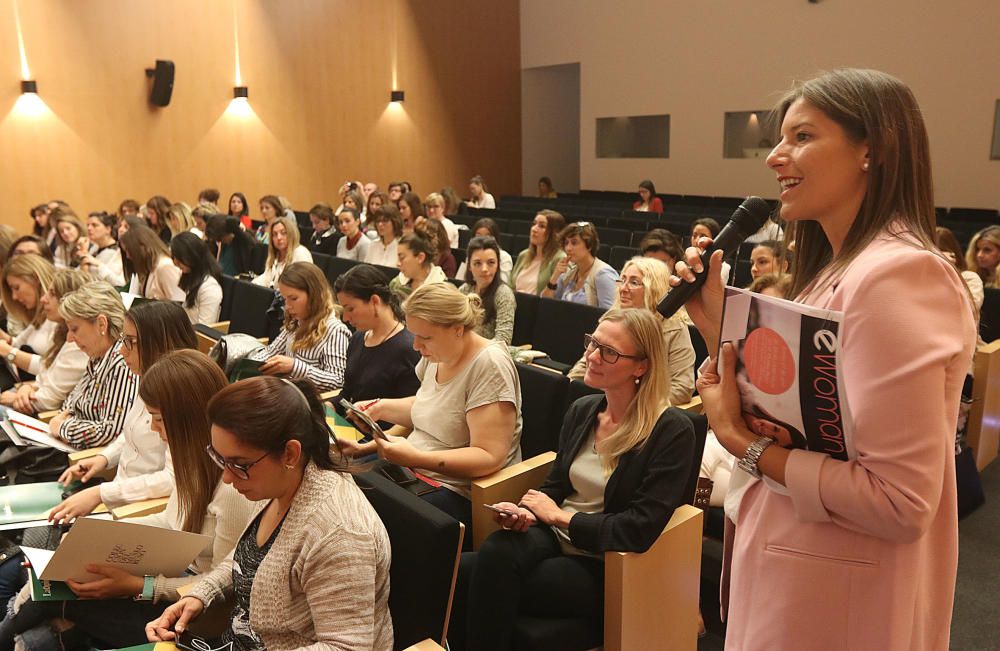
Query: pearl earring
x=637, y=381
x=864, y=166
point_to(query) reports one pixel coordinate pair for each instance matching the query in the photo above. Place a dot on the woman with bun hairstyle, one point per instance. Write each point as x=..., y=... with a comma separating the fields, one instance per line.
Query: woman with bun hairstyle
x=867, y=541
x=465, y=420
x=417, y=253
x=312, y=569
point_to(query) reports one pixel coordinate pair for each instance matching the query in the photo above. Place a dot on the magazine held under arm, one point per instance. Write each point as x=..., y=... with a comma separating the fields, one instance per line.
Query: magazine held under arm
x=787, y=371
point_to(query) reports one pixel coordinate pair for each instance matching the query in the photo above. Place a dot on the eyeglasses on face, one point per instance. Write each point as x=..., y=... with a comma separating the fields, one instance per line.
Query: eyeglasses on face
x=608, y=354
x=241, y=470
x=632, y=283
x=128, y=342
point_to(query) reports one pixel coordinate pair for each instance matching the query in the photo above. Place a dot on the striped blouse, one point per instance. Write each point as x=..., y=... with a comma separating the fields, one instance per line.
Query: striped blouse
x=99, y=403
x=322, y=363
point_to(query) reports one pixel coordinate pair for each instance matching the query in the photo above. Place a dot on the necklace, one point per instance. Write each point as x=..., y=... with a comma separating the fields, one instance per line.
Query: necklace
x=389, y=334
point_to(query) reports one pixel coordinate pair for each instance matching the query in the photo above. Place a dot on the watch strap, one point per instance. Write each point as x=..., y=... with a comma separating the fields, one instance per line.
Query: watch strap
x=750, y=460
x=148, y=588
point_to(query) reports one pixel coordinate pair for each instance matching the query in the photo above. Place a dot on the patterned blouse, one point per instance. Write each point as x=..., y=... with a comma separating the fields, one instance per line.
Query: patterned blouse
x=99, y=402
x=322, y=363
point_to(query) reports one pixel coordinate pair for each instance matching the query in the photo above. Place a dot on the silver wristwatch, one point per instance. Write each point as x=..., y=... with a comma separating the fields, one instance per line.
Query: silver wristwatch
x=12, y=354
x=749, y=461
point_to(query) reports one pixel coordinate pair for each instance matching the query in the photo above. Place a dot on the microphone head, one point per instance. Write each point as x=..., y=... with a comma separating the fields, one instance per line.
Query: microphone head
x=751, y=215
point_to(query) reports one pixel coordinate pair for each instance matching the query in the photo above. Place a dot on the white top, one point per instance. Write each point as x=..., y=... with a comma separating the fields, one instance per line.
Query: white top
x=485, y=201
x=144, y=467
x=452, y=230
x=109, y=267
x=270, y=276
x=38, y=337
x=769, y=231
x=162, y=284
x=439, y=411
x=717, y=465
x=359, y=252
x=506, y=265
x=55, y=382
x=207, y=304
x=63, y=257
x=385, y=255
x=226, y=518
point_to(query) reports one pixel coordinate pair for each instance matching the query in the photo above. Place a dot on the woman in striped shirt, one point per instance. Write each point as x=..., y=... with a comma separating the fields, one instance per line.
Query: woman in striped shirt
x=313, y=342
x=94, y=412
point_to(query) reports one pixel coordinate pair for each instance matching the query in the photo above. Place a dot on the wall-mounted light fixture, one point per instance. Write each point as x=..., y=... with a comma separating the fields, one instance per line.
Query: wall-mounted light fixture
x=241, y=92
x=397, y=96
x=29, y=86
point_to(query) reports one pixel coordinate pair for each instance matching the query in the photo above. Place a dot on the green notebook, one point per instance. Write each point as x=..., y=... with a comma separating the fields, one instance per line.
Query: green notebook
x=49, y=590
x=27, y=502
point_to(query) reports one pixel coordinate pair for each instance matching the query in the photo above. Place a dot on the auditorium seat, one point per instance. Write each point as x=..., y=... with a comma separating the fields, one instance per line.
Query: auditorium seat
x=526, y=313
x=226, y=310
x=742, y=273
x=560, y=326
x=700, y=349
x=336, y=267
x=543, y=405
x=322, y=260
x=615, y=236
x=248, y=313
x=620, y=255
x=989, y=316
x=258, y=259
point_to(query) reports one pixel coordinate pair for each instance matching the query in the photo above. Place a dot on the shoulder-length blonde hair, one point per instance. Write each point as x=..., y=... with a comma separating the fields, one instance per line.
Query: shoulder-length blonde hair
x=93, y=300
x=880, y=110
x=68, y=217
x=292, y=236
x=40, y=273
x=179, y=218
x=180, y=385
x=307, y=277
x=654, y=386
x=64, y=282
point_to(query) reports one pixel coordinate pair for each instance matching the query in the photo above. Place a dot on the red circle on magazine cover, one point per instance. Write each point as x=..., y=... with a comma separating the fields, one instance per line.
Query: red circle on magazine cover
x=768, y=361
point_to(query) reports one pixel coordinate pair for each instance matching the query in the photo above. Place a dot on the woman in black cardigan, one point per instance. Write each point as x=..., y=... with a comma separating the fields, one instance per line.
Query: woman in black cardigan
x=621, y=470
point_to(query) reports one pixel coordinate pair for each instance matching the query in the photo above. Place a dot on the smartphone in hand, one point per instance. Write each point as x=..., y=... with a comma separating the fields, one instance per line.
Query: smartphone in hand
x=509, y=514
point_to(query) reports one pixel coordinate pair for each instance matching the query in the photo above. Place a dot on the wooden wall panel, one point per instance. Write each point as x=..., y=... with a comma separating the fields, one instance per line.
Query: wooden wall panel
x=319, y=74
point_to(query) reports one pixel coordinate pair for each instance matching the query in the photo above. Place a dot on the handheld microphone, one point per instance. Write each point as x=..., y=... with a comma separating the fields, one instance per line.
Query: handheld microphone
x=747, y=220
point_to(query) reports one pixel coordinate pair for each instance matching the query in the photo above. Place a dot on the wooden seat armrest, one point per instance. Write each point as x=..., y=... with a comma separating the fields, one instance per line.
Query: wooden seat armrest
x=694, y=405
x=983, y=433
x=329, y=395
x=205, y=342
x=221, y=326
x=80, y=455
x=46, y=416
x=651, y=599
x=505, y=485
x=262, y=340
x=425, y=645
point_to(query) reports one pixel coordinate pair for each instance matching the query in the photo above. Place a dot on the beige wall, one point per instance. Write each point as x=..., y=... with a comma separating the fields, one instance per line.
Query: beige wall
x=319, y=74
x=697, y=60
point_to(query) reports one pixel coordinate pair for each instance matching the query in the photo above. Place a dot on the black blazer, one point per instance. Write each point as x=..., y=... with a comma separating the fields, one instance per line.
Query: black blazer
x=643, y=491
x=324, y=242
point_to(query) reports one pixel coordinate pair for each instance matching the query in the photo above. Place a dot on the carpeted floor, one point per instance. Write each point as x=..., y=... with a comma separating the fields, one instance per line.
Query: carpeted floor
x=975, y=623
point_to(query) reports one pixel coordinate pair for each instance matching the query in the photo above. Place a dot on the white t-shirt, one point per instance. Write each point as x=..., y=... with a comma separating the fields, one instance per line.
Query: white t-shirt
x=452, y=230
x=359, y=252
x=439, y=411
x=485, y=201
x=270, y=276
x=506, y=265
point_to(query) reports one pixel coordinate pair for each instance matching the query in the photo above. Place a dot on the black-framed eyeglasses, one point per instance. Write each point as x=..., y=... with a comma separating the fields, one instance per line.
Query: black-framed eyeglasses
x=128, y=342
x=241, y=470
x=608, y=354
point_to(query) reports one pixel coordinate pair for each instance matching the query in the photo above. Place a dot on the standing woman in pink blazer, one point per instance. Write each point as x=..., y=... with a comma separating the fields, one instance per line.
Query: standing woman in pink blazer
x=861, y=553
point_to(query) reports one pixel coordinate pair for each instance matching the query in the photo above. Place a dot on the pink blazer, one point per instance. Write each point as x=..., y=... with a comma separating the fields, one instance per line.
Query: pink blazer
x=862, y=554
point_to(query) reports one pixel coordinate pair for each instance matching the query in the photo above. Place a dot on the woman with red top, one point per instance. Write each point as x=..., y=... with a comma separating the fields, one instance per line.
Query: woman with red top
x=648, y=201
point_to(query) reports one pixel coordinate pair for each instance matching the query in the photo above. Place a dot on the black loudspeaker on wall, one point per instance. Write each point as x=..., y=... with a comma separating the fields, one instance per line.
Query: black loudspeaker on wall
x=163, y=82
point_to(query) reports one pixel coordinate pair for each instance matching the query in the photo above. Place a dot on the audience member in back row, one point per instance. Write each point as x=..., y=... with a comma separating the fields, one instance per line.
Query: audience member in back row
x=534, y=266
x=103, y=259
x=708, y=227
x=375, y=201
x=69, y=231
x=453, y=204
x=768, y=257
x=952, y=250
x=201, y=278
x=313, y=342
x=581, y=276
x=240, y=209
x=662, y=245
x=465, y=420
x=325, y=232
x=483, y=278
x=180, y=220
x=148, y=264
x=354, y=243
x=643, y=282
x=387, y=223
x=444, y=258
x=545, y=189
x=983, y=255
x=26, y=280
x=59, y=370
x=434, y=205
x=156, y=217
x=312, y=569
x=112, y=611
x=486, y=227
x=648, y=201
x=620, y=472
x=30, y=244
x=41, y=227
x=380, y=355
x=410, y=209
x=144, y=468
x=417, y=253
x=283, y=248
x=270, y=209
x=230, y=244
x=95, y=410
x=481, y=198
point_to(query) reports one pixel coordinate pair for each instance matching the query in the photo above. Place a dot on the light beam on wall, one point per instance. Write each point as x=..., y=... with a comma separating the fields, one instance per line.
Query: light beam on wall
x=239, y=106
x=29, y=103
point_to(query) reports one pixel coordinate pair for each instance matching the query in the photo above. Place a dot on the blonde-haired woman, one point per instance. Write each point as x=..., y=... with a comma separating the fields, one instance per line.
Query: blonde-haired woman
x=983, y=255
x=26, y=279
x=642, y=283
x=59, y=370
x=465, y=421
x=313, y=342
x=94, y=412
x=620, y=471
x=283, y=249
x=181, y=220
x=69, y=232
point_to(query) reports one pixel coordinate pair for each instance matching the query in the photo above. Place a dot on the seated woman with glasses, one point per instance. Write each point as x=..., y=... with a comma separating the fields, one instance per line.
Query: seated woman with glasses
x=620, y=472
x=56, y=372
x=112, y=612
x=145, y=471
x=581, y=277
x=313, y=342
x=312, y=569
x=641, y=285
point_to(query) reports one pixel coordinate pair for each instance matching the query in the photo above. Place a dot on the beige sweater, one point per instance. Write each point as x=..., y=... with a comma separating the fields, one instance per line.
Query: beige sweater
x=324, y=584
